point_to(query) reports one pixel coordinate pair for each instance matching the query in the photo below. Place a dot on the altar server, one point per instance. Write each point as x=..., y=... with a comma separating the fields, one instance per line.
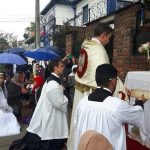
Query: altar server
x=102, y=112
x=48, y=127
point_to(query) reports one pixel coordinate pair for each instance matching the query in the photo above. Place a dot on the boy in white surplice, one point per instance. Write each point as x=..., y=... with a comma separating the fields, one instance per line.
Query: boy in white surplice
x=102, y=112
x=48, y=128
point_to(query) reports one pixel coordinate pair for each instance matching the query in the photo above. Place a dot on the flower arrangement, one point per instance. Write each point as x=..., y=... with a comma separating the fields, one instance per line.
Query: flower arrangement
x=145, y=48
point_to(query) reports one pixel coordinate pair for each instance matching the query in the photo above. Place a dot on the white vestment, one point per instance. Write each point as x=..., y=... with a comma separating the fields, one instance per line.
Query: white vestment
x=97, y=55
x=8, y=122
x=49, y=120
x=107, y=118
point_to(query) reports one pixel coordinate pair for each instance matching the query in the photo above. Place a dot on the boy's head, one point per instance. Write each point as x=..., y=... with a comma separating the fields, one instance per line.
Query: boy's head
x=106, y=76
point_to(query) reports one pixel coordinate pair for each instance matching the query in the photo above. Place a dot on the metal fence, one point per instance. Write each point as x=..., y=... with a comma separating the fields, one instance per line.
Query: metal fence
x=97, y=11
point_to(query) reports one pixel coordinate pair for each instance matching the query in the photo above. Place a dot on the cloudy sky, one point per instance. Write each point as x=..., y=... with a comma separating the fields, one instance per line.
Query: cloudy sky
x=16, y=15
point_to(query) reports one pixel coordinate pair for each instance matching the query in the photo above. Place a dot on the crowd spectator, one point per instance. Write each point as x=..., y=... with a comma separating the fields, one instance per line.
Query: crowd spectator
x=71, y=90
x=17, y=92
x=8, y=122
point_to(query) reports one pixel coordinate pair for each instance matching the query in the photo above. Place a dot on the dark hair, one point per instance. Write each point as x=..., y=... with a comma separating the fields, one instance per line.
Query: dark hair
x=104, y=73
x=20, y=72
x=101, y=28
x=52, y=64
x=2, y=73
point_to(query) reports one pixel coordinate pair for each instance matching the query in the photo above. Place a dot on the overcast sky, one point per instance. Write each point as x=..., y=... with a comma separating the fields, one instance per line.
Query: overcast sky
x=16, y=15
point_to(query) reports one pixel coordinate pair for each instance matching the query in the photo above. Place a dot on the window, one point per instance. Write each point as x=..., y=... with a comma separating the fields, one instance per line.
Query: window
x=85, y=14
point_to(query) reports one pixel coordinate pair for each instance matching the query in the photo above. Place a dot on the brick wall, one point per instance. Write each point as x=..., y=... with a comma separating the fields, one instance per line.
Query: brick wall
x=124, y=31
x=69, y=41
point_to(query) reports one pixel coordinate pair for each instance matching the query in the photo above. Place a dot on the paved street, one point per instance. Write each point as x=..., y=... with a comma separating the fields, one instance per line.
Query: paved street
x=5, y=141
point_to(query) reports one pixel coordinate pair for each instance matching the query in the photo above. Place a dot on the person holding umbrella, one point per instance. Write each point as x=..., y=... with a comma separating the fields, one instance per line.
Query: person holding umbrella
x=17, y=92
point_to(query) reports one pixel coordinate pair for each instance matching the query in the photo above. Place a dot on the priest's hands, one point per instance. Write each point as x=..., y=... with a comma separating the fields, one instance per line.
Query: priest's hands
x=129, y=93
x=132, y=93
x=121, y=95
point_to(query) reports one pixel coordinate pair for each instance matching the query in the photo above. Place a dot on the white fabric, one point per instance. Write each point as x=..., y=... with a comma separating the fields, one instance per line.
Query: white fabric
x=95, y=39
x=8, y=122
x=3, y=102
x=73, y=67
x=107, y=118
x=77, y=97
x=49, y=120
x=147, y=117
x=140, y=80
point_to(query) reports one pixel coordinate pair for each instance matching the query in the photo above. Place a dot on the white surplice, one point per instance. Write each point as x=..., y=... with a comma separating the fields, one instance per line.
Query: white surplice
x=8, y=122
x=49, y=120
x=107, y=118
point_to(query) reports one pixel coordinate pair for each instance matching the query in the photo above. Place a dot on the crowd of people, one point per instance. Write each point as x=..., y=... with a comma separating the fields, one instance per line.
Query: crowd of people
x=69, y=98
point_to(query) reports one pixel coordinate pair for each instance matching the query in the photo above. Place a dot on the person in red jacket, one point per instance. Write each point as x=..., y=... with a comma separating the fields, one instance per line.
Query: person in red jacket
x=38, y=82
x=37, y=85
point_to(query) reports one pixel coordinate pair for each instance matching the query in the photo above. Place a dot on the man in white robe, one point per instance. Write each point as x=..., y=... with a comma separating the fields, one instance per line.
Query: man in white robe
x=48, y=127
x=102, y=112
x=8, y=122
x=92, y=54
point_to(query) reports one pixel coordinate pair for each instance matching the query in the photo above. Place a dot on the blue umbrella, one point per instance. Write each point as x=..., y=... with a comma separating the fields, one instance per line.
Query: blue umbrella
x=16, y=50
x=54, y=49
x=8, y=58
x=41, y=54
